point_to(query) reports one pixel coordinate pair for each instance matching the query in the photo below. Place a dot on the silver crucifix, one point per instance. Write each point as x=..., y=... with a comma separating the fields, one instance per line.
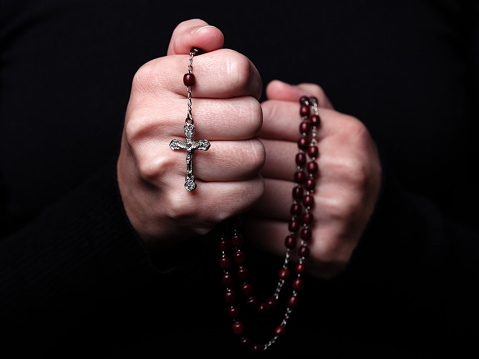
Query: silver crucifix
x=190, y=146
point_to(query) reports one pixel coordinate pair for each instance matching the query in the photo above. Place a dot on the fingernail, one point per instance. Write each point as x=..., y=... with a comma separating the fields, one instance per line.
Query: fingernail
x=201, y=28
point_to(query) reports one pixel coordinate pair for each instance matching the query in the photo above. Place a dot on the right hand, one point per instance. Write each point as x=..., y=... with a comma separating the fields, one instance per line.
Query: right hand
x=226, y=113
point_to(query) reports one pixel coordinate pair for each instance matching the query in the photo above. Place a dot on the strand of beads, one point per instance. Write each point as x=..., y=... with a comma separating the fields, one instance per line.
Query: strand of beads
x=299, y=226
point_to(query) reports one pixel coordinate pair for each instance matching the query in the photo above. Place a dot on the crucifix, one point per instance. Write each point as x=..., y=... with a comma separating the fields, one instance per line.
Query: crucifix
x=190, y=146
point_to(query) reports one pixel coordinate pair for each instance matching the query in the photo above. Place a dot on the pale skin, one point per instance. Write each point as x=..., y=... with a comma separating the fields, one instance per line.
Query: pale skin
x=250, y=164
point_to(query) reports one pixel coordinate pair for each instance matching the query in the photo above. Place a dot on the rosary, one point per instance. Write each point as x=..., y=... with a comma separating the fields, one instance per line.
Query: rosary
x=232, y=260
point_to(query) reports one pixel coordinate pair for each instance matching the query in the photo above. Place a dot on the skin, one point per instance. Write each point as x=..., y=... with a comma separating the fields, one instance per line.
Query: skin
x=250, y=163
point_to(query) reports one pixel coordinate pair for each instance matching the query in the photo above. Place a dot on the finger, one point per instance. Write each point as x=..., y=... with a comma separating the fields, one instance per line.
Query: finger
x=237, y=118
x=278, y=90
x=276, y=200
x=281, y=120
x=222, y=73
x=195, y=33
x=269, y=235
x=223, y=161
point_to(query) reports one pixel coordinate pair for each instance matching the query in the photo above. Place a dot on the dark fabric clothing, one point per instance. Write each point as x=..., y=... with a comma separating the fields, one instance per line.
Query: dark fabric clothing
x=74, y=278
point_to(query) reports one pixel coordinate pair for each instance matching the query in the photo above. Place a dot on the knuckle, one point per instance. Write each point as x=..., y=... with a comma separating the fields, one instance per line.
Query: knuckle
x=237, y=68
x=257, y=155
x=179, y=207
x=151, y=170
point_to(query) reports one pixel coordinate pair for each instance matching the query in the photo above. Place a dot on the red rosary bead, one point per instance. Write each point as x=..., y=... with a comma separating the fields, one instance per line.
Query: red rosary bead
x=303, y=251
x=315, y=120
x=283, y=273
x=225, y=262
x=313, y=151
x=237, y=239
x=279, y=330
x=300, y=159
x=312, y=167
x=230, y=296
x=293, y=301
x=297, y=284
x=295, y=209
x=242, y=273
x=306, y=234
x=303, y=143
x=300, y=268
x=310, y=184
x=299, y=177
x=247, y=289
x=233, y=312
x=304, y=127
x=307, y=218
x=227, y=279
x=294, y=226
x=239, y=257
x=308, y=200
x=189, y=79
x=304, y=110
x=290, y=242
x=238, y=328
x=298, y=192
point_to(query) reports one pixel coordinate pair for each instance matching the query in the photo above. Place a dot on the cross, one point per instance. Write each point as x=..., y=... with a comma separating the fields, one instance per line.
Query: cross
x=190, y=146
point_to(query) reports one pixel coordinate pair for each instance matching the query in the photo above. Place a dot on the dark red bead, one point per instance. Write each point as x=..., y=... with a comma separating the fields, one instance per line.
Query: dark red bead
x=307, y=218
x=312, y=167
x=197, y=51
x=252, y=302
x=293, y=226
x=237, y=240
x=313, y=100
x=263, y=308
x=246, y=342
x=238, y=328
x=299, y=177
x=257, y=348
x=223, y=245
x=313, y=151
x=272, y=302
x=303, y=251
x=300, y=159
x=293, y=301
x=315, y=120
x=290, y=242
x=233, y=312
x=242, y=273
x=296, y=209
x=230, y=296
x=304, y=127
x=300, y=268
x=227, y=279
x=239, y=257
x=305, y=234
x=247, y=289
x=189, y=79
x=310, y=184
x=297, y=284
x=303, y=143
x=308, y=200
x=304, y=100
x=279, y=330
x=225, y=262
x=283, y=273
x=298, y=192
x=304, y=110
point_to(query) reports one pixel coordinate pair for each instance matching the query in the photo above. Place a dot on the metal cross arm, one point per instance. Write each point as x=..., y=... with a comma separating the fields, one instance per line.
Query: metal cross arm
x=190, y=146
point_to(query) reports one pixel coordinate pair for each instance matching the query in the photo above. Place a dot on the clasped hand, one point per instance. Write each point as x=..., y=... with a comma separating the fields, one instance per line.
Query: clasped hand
x=250, y=164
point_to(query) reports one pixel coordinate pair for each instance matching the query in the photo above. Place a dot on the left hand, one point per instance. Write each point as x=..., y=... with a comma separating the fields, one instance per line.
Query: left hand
x=347, y=185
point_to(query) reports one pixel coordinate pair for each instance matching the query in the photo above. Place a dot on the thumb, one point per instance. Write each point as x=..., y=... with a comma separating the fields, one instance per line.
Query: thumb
x=195, y=33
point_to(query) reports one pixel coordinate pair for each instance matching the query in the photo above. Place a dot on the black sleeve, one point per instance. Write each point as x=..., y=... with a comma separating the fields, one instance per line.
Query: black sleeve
x=77, y=253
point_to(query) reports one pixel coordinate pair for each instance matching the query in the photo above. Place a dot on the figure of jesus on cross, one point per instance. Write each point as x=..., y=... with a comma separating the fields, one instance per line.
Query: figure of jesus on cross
x=190, y=146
